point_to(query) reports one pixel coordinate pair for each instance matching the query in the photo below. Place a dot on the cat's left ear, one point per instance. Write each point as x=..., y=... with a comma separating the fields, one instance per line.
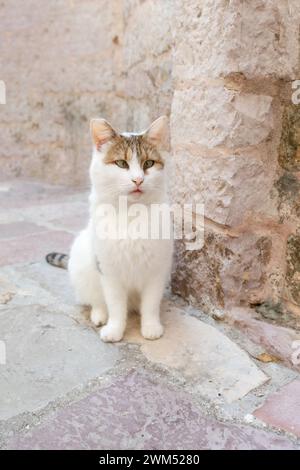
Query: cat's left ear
x=101, y=132
x=158, y=133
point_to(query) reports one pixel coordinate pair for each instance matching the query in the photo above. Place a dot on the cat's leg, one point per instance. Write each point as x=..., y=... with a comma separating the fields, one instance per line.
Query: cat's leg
x=88, y=291
x=86, y=278
x=151, y=296
x=116, y=300
x=99, y=314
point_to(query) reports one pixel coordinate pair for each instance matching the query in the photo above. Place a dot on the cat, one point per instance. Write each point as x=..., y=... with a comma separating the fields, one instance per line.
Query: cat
x=115, y=276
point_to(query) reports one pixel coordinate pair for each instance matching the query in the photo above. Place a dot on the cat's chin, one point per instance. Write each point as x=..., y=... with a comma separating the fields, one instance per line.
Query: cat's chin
x=136, y=195
x=140, y=198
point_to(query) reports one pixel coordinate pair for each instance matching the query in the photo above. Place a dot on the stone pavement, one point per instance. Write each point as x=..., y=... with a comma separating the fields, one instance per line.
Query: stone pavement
x=204, y=385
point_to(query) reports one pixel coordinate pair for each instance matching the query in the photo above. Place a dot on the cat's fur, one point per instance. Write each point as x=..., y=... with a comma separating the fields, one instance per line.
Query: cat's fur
x=114, y=276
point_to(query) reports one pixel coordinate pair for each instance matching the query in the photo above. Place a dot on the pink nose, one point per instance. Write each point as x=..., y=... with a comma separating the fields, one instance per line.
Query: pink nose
x=138, y=181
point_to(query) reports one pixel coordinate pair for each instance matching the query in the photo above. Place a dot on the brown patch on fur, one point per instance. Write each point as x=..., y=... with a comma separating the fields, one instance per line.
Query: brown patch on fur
x=123, y=148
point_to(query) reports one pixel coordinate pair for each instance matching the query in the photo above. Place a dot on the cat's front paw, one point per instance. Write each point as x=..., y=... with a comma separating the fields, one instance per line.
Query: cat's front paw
x=98, y=316
x=152, y=330
x=111, y=333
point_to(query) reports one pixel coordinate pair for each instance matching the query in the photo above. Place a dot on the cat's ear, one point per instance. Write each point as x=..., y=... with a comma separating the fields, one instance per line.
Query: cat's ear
x=158, y=133
x=101, y=132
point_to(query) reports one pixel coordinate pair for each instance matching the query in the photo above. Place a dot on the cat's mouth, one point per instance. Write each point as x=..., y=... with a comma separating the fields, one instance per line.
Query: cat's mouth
x=136, y=191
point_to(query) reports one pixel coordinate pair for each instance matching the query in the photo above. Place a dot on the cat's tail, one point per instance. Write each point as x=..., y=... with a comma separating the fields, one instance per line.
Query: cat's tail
x=59, y=260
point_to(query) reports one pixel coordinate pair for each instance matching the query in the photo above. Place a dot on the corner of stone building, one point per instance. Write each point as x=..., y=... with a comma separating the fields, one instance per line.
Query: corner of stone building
x=235, y=140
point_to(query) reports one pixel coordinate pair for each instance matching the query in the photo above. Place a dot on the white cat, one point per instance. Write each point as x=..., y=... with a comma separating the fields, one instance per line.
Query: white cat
x=115, y=276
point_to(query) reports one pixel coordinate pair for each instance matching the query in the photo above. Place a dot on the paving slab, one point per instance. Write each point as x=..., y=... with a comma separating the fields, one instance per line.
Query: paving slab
x=19, y=229
x=37, y=283
x=137, y=412
x=282, y=409
x=47, y=355
x=72, y=222
x=277, y=339
x=33, y=247
x=217, y=367
x=17, y=193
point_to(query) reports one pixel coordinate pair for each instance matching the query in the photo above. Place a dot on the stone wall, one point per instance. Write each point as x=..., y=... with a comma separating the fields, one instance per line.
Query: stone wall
x=59, y=60
x=66, y=61
x=234, y=137
x=146, y=80
x=222, y=70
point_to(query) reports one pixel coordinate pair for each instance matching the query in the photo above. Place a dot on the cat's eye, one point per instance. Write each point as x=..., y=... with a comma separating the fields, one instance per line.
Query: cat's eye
x=122, y=163
x=148, y=164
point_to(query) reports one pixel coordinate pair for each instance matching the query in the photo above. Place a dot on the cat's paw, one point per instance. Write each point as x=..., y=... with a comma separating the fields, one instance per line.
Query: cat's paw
x=111, y=333
x=98, y=316
x=152, y=330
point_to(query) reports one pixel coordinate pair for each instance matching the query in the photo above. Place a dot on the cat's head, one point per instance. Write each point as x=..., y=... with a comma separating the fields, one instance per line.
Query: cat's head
x=129, y=164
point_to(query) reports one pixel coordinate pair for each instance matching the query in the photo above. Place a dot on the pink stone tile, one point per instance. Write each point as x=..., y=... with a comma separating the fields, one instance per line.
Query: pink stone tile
x=20, y=193
x=19, y=229
x=33, y=247
x=277, y=340
x=282, y=409
x=72, y=222
x=139, y=412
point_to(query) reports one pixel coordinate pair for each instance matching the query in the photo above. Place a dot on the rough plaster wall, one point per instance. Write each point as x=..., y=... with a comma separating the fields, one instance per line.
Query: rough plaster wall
x=233, y=64
x=66, y=61
x=58, y=60
x=146, y=80
x=222, y=69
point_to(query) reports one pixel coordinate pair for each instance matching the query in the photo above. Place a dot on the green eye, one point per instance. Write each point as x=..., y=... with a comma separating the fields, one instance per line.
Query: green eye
x=148, y=164
x=122, y=163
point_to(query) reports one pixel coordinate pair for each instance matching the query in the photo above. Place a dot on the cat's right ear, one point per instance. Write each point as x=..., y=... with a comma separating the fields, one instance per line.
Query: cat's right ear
x=101, y=132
